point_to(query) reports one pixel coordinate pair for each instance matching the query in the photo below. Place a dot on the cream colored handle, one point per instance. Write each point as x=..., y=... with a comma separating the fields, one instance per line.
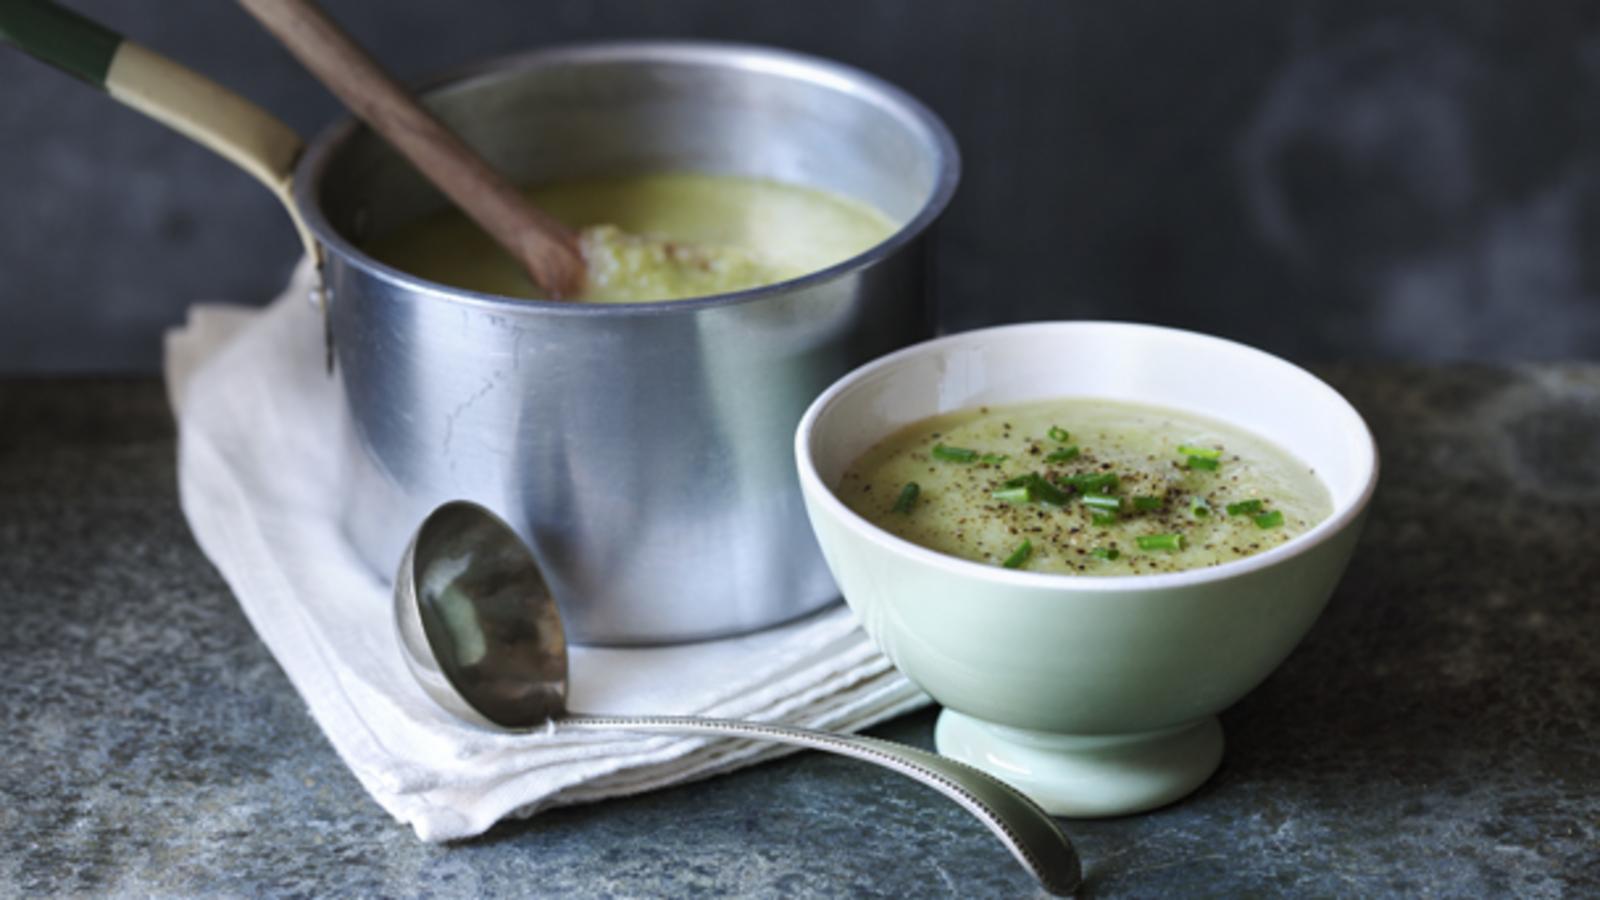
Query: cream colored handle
x=210, y=114
x=173, y=94
x=544, y=247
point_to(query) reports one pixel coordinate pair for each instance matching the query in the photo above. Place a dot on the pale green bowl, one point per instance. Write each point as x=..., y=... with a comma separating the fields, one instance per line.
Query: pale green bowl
x=1097, y=696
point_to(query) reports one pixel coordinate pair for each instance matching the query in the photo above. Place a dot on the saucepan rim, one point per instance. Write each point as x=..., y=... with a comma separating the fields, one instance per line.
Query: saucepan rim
x=319, y=156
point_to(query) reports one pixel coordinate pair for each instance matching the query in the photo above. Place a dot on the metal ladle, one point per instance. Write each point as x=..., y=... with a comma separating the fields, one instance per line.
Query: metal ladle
x=481, y=632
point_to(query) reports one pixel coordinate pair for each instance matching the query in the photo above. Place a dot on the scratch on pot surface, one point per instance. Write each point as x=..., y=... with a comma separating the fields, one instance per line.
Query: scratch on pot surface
x=450, y=420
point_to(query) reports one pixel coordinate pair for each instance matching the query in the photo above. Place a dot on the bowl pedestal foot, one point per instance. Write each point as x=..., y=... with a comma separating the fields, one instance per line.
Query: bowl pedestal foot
x=1087, y=776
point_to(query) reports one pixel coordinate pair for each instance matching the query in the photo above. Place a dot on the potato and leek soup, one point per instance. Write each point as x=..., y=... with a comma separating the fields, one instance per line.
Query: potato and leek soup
x=654, y=236
x=1085, y=487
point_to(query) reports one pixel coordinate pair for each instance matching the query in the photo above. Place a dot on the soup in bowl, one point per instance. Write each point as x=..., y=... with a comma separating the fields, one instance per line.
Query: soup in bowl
x=1230, y=484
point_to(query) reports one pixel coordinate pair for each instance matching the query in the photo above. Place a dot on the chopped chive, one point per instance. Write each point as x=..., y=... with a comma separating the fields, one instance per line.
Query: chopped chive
x=1202, y=463
x=1104, y=518
x=1244, y=508
x=1065, y=454
x=1042, y=491
x=1199, y=452
x=1105, y=553
x=1022, y=493
x=994, y=459
x=1030, y=488
x=1199, y=508
x=1059, y=434
x=1019, y=555
x=1160, y=541
x=908, y=496
x=1103, y=501
x=1146, y=504
x=1092, y=481
x=1049, y=493
x=954, y=454
x=1269, y=519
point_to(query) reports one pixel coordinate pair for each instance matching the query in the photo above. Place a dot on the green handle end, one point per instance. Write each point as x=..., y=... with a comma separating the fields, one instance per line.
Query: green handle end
x=60, y=37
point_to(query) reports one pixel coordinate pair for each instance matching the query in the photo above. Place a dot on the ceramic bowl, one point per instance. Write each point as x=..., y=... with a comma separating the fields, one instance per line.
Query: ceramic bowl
x=1095, y=695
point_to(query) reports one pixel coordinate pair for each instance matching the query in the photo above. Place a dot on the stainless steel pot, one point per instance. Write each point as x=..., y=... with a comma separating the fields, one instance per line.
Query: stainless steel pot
x=644, y=450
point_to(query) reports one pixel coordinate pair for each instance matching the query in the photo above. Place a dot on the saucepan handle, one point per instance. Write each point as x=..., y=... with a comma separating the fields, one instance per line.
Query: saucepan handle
x=169, y=92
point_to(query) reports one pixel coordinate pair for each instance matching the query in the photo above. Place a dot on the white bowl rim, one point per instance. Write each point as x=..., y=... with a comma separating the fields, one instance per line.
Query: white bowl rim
x=811, y=480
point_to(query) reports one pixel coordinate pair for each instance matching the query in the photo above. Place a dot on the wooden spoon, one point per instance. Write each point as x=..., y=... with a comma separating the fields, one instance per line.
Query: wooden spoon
x=547, y=249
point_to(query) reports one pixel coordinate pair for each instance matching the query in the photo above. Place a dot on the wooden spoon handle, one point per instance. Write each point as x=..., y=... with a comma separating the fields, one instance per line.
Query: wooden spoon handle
x=547, y=249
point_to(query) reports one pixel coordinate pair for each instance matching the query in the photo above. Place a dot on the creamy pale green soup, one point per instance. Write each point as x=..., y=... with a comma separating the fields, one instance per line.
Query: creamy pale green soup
x=1084, y=486
x=655, y=236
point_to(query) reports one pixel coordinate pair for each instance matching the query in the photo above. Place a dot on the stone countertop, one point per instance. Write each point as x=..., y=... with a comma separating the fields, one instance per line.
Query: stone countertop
x=1438, y=732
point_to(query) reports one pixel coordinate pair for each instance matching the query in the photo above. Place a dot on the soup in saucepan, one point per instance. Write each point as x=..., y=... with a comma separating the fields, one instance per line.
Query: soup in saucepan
x=654, y=236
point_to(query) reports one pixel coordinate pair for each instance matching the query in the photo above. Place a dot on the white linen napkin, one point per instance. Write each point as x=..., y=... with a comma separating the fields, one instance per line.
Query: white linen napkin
x=258, y=481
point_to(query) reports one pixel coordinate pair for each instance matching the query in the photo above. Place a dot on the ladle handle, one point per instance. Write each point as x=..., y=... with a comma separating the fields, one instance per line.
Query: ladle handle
x=1026, y=830
x=544, y=246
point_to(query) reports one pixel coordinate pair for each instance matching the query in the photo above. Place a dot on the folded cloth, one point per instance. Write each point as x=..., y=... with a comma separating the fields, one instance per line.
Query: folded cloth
x=258, y=475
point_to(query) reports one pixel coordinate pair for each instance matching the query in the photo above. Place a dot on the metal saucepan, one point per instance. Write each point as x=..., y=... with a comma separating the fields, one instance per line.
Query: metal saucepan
x=643, y=450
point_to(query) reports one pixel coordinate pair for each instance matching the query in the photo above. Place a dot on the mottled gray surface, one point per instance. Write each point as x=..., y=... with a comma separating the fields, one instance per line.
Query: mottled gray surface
x=1435, y=734
x=1405, y=178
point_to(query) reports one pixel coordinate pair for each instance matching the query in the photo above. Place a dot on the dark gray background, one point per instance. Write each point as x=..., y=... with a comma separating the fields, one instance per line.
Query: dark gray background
x=1323, y=179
